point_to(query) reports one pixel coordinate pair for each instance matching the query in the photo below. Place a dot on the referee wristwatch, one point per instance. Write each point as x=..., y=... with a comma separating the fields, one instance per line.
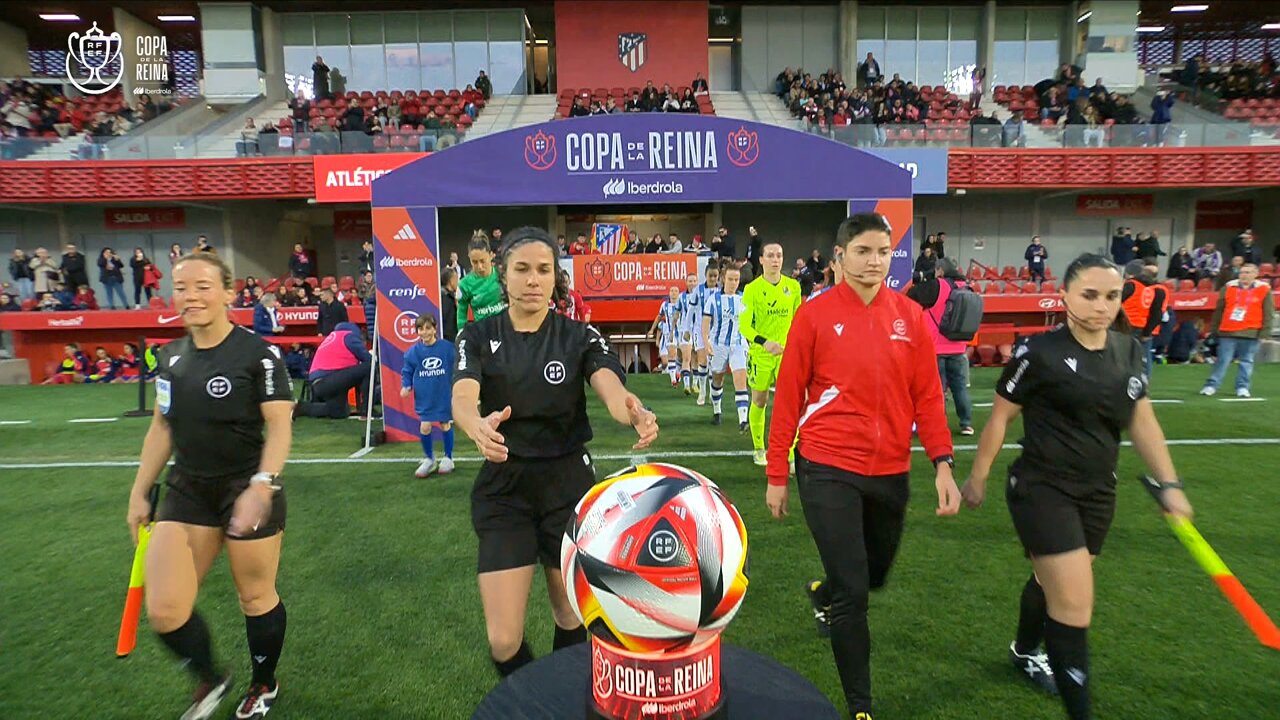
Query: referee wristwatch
x=944, y=459
x=271, y=480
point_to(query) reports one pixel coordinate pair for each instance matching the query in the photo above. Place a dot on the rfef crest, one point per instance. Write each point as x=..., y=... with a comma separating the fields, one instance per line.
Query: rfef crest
x=744, y=147
x=597, y=275
x=540, y=150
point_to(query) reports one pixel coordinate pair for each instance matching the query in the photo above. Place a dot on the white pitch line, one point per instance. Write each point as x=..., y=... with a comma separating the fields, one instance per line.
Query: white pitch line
x=93, y=420
x=15, y=422
x=1248, y=399
x=677, y=454
x=1156, y=402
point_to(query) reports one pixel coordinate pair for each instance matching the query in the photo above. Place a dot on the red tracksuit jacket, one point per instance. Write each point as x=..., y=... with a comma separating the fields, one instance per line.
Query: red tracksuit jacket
x=853, y=379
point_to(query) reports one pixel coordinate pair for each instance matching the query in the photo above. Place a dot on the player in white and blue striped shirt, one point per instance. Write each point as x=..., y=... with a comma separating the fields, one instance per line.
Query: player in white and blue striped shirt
x=664, y=330
x=728, y=347
x=702, y=293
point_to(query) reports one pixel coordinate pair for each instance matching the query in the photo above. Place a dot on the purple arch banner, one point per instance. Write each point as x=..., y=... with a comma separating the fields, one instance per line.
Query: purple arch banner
x=611, y=159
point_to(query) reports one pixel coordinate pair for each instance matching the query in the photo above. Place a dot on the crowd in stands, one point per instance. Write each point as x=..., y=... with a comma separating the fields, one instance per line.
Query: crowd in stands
x=881, y=110
x=884, y=110
x=38, y=282
x=339, y=120
x=32, y=114
x=1088, y=115
x=1238, y=81
x=1204, y=268
x=695, y=98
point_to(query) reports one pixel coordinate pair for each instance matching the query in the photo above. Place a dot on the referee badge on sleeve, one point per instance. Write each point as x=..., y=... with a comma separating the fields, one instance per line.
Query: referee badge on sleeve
x=163, y=395
x=1135, y=388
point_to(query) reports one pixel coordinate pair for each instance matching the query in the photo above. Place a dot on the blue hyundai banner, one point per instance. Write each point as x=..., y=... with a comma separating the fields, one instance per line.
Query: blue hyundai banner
x=928, y=167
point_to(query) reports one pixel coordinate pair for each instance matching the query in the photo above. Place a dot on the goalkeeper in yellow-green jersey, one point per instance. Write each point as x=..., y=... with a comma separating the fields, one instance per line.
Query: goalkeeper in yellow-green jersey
x=769, y=304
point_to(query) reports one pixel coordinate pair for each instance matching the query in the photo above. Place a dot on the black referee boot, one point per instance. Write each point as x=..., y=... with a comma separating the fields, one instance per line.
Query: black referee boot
x=820, y=598
x=715, y=419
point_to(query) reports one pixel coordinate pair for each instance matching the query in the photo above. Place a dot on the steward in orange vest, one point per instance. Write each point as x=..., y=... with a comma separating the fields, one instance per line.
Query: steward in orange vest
x=1245, y=309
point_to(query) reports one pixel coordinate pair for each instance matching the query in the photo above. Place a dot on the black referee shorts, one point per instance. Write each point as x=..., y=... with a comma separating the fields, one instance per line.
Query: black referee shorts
x=520, y=508
x=209, y=502
x=1050, y=520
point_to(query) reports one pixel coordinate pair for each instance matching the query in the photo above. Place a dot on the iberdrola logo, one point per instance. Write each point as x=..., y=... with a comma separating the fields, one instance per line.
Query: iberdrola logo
x=744, y=147
x=540, y=150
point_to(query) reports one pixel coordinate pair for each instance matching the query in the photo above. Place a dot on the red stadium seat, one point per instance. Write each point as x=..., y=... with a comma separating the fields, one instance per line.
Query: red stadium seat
x=1186, y=285
x=156, y=303
x=314, y=283
x=1205, y=285
x=993, y=287
x=1048, y=287
x=1266, y=270
x=1030, y=288
x=346, y=283
x=1009, y=273
x=987, y=355
x=239, y=284
x=1006, y=352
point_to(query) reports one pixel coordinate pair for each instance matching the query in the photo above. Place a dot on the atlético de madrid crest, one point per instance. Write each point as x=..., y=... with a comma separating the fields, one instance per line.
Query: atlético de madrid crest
x=632, y=50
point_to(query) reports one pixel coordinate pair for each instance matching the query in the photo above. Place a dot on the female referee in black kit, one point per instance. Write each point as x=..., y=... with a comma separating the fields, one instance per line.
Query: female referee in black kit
x=519, y=394
x=216, y=388
x=1077, y=387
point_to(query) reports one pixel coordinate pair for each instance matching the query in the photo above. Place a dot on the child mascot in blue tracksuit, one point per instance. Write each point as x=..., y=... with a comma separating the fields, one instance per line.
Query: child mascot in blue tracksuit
x=428, y=374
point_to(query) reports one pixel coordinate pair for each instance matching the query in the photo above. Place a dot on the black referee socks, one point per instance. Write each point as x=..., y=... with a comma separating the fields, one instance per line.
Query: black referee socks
x=523, y=657
x=191, y=643
x=1031, y=617
x=1068, y=649
x=266, y=640
x=565, y=638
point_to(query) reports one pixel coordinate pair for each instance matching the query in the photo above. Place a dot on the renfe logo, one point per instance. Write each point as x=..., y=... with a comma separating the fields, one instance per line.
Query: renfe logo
x=406, y=292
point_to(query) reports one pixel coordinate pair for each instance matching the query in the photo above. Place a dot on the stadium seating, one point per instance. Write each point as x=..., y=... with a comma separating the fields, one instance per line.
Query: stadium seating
x=447, y=106
x=620, y=95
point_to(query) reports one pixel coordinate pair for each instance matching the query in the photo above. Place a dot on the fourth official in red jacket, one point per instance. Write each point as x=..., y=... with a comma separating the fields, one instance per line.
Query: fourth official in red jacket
x=859, y=370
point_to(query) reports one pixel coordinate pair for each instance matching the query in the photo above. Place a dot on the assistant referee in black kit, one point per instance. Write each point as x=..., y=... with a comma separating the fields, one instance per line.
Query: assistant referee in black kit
x=519, y=394
x=216, y=389
x=1077, y=387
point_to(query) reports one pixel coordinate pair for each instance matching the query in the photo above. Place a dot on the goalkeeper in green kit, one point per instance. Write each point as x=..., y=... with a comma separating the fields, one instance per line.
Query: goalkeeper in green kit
x=769, y=304
x=479, y=291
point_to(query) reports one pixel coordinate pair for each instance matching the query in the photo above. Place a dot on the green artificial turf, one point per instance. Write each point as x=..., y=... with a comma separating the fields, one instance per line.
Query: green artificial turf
x=385, y=621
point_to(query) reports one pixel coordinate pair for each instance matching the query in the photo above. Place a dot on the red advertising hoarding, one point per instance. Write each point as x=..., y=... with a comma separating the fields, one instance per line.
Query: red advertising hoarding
x=631, y=276
x=347, y=178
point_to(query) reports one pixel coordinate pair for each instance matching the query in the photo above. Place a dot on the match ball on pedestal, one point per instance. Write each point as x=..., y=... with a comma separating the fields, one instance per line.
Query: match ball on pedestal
x=655, y=559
